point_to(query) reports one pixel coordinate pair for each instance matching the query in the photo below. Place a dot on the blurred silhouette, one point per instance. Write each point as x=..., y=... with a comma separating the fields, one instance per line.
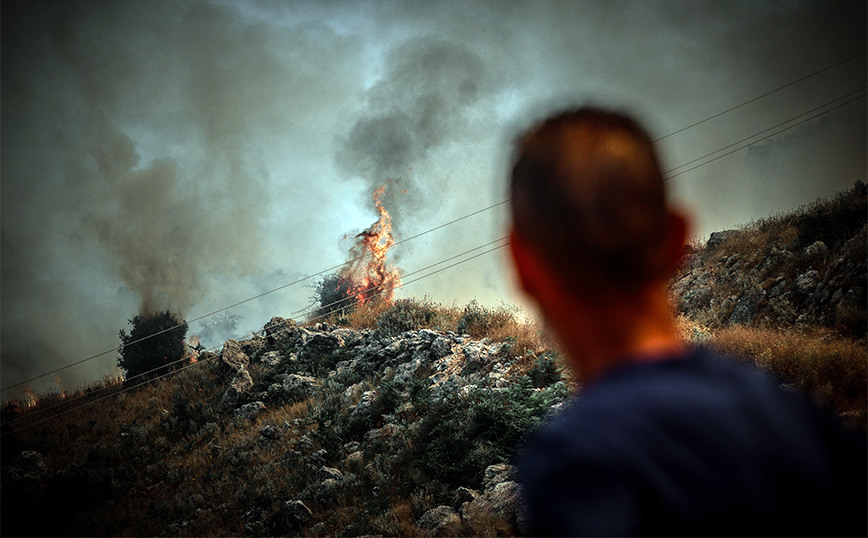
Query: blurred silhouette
x=663, y=438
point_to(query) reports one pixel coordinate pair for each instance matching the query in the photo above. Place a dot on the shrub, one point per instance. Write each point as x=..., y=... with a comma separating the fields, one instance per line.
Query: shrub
x=462, y=435
x=332, y=294
x=479, y=321
x=405, y=315
x=154, y=346
x=186, y=418
x=545, y=370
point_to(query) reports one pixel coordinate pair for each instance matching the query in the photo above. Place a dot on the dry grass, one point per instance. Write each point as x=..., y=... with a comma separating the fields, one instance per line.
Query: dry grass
x=365, y=316
x=166, y=478
x=830, y=368
x=502, y=323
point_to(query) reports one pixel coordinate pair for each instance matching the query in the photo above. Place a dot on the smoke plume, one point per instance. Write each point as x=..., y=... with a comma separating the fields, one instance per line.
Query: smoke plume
x=419, y=104
x=191, y=155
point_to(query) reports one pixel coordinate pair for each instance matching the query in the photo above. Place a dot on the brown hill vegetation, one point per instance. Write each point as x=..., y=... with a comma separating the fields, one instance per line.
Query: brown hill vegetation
x=400, y=417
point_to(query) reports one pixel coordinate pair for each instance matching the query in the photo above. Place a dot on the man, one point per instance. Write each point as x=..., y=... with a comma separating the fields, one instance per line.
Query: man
x=662, y=439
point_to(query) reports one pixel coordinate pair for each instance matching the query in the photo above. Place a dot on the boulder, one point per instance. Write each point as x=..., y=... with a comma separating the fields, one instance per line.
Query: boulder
x=270, y=432
x=350, y=337
x=440, y=347
x=231, y=359
x=409, y=371
x=816, y=250
x=325, y=473
x=241, y=383
x=352, y=394
x=271, y=358
x=496, y=474
x=278, y=329
x=808, y=281
x=745, y=308
x=440, y=521
x=317, y=345
x=463, y=495
x=716, y=238
x=363, y=408
x=499, y=510
x=298, y=387
x=250, y=411
x=253, y=348
x=295, y=514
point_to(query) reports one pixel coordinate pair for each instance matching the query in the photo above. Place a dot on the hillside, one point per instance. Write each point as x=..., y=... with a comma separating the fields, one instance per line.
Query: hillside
x=804, y=269
x=400, y=418
x=309, y=430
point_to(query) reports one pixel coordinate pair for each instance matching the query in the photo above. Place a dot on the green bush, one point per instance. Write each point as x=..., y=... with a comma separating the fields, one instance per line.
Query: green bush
x=405, y=315
x=479, y=321
x=186, y=418
x=332, y=294
x=154, y=346
x=545, y=370
x=389, y=396
x=462, y=435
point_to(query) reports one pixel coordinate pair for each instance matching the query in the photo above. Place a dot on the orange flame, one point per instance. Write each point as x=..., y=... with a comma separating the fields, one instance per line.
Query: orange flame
x=369, y=275
x=58, y=382
x=193, y=348
x=31, y=396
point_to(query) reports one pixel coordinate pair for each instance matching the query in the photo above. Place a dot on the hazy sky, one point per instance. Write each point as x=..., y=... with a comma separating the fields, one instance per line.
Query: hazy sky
x=194, y=154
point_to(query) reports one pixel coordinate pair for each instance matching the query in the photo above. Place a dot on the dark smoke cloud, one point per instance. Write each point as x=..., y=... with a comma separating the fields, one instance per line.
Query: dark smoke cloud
x=194, y=154
x=130, y=136
x=419, y=104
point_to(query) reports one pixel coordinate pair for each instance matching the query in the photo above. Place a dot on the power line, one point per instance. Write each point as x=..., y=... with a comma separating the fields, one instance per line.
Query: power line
x=378, y=289
x=249, y=299
x=378, y=292
x=308, y=277
x=765, y=130
x=371, y=292
x=767, y=136
x=757, y=98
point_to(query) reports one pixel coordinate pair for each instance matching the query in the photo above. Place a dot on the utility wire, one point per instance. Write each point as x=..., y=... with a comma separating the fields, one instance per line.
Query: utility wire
x=308, y=277
x=178, y=370
x=284, y=286
x=370, y=292
x=379, y=289
x=757, y=98
x=767, y=136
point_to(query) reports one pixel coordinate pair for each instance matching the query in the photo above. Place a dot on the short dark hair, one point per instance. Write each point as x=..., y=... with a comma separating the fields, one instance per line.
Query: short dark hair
x=588, y=195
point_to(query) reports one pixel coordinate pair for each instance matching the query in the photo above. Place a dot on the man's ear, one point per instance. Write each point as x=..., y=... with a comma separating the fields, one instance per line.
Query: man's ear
x=526, y=265
x=676, y=240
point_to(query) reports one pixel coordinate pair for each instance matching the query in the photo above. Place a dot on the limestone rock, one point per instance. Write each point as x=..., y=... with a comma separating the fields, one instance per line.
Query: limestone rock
x=240, y=384
x=250, y=411
x=499, y=509
x=296, y=513
x=278, y=329
x=232, y=358
x=440, y=521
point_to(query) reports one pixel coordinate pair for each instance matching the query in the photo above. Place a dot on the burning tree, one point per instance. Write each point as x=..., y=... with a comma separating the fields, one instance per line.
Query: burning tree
x=367, y=275
x=153, y=347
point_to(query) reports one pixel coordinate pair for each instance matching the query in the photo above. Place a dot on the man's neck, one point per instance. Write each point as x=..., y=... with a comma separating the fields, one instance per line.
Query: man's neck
x=601, y=335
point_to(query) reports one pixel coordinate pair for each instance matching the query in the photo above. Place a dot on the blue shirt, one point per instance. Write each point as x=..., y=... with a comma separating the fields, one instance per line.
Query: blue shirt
x=693, y=445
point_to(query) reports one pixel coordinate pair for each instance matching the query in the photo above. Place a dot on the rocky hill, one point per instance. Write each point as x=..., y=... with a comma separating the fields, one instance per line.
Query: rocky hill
x=802, y=269
x=402, y=418
x=308, y=430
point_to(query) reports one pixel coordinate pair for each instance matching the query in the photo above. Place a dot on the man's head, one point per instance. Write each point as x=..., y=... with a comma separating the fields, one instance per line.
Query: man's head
x=594, y=240
x=588, y=198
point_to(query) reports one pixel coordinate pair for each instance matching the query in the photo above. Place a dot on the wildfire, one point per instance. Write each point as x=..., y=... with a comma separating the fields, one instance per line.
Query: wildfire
x=193, y=347
x=369, y=275
x=31, y=396
x=58, y=382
